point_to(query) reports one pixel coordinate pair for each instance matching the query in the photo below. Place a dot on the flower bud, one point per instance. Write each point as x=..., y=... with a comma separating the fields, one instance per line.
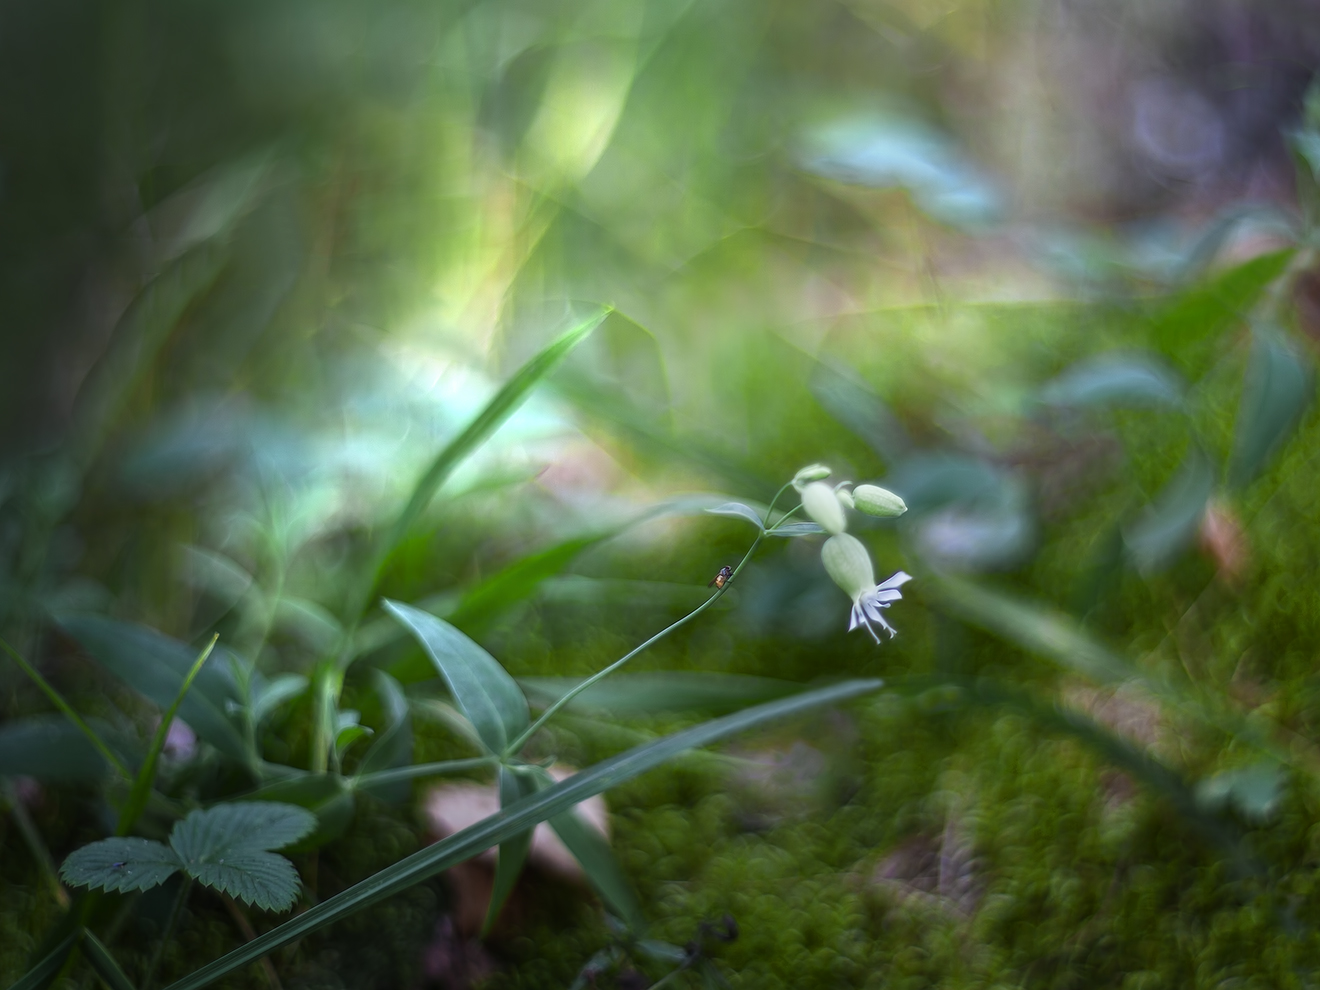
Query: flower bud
x=876, y=501
x=844, y=496
x=848, y=564
x=823, y=506
x=810, y=473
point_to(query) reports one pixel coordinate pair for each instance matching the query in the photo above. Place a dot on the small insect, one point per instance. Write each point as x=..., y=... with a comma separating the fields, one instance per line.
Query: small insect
x=116, y=866
x=722, y=578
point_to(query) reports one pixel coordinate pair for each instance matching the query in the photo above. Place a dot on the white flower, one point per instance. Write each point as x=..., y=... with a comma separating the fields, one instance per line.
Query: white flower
x=849, y=565
x=867, y=605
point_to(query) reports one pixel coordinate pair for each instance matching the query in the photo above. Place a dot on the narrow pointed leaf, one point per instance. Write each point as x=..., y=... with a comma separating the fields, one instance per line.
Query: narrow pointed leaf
x=392, y=747
x=1278, y=388
x=120, y=865
x=44, y=972
x=659, y=691
x=737, y=510
x=598, y=862
x=513, y=851
x=1170, y=523
x=517, y=818
x=104, y=963
x=484, y=691
x=1115, y=380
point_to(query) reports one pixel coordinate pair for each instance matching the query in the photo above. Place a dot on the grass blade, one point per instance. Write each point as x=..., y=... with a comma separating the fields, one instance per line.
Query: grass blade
x=43, y=973
x=517, y=818
x=513, y=851
x=106, y=968
x=137, y=797
x=505, y=403
x=58, y=701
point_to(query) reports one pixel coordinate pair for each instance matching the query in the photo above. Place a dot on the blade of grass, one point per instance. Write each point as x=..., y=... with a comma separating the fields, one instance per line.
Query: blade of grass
x=106, y=968
x=137, y=797
x=513, y=851
x=58, y=700
x=44, y=972
x=516, y=818
x=379, y=778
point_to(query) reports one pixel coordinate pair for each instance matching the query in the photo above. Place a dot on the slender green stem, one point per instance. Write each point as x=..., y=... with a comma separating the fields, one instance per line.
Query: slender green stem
x=67, y=709
x=546, y=715
x=137, y=797
x=167, y=934
x=420, y=770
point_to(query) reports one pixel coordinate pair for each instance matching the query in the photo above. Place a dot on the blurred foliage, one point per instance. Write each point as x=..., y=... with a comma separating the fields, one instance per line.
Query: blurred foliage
x=265, y=264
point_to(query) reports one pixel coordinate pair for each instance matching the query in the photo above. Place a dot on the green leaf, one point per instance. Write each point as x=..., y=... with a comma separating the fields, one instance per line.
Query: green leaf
x=280, y=689
x=661, y=691
x=1115, y=380
x=597, y=859
x=326, y=795
x=50, y=748
x=1254, y=790
x=484, y=691
x=226, y=847
x=513, y=850
x=1278, y=387
x=516, y=818
x=519, y=580
x=394, y=746
x=44, y=972
x=120, y=865
x=737, y=510
x=1170, y=523
x=156, y=665
x=100, y=959
x=504, y=404
x=862, y=411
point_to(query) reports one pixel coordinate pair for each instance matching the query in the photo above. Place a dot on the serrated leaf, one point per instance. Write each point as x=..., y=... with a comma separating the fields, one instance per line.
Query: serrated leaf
x=484, y=691
x=1277, y=389
x=1171, y=522
x=737, y=510
x=263, y=879
x=208, y=834
x=517, y=818
x=326, y=795
x=120, y=865
x=1115, y=380
x=155, y=665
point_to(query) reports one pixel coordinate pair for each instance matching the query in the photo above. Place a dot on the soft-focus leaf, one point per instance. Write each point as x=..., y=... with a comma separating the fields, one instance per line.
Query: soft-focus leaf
x=483, y=689
x=51, y=748
x=513, y=850
x=394, y=746
x=661, y=691
x=156, y=665
x=120, y=864
x=104, y=963
x=308, y=621
x=738, y=511
x=598, y=862
x=503, y=405
x=861, y=411
x=326, y=795
x=792, y=529
x=1115, y=380
x=1170, y=523
x=275, y=693
x=517, y=818
x=44, y=972
x=1278, y=387
x=1254, y=790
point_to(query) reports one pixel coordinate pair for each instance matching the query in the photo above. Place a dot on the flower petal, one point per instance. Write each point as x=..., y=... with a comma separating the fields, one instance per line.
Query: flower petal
x=895, y=580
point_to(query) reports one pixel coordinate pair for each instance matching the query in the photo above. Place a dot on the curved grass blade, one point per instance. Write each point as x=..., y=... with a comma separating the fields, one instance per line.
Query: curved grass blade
x=58, y=701
x=44, y=972
x=100, y=959
x=518, y=817
x=485, y=692
x=513, y=851
x=146, y=777
x=505, y=403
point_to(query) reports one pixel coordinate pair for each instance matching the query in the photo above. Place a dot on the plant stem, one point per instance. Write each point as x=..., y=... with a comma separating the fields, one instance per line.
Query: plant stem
x=546, y=715
x=67, y=709
x=168, y=933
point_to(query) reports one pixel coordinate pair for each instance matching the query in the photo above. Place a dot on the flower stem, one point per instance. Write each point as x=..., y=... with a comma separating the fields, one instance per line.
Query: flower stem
x=546, y=715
